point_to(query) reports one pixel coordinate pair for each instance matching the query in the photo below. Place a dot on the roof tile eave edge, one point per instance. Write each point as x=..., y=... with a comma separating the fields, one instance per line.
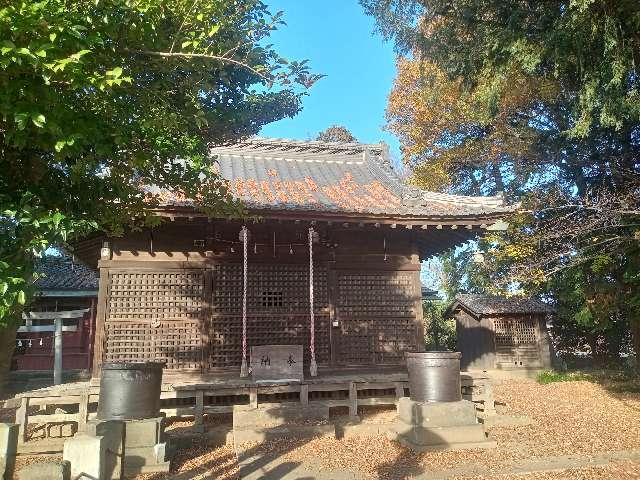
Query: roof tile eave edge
x=484, y=217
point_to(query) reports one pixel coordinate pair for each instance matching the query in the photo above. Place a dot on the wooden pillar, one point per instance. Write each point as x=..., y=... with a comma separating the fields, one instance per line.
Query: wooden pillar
x=353, y=400
x=399, y=390
x=199, y=411
x=83, y=411
x=92, y=333
x=101, y=309
x=304, y=394
x=22, y=419
x=253, y=397
x=417, y=287
x=332, y=295
x=57, y=352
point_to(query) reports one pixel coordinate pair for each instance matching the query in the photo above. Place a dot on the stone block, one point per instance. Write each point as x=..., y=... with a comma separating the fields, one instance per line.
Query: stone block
x=276, y=363
x=8, y=448
x=436, y=414
x=146, y=459
x=139, y=456
x=112, y=432
x=243, y=436
x=86, y=454
x=272, y=415
x=438, y=425
x=144, y=433
x=46, y=471
x=443, y=435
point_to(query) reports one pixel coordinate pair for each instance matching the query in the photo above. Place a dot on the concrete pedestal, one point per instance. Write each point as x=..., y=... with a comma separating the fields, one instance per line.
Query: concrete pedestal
x=85, y=453
x=113, y=449
x=271, y=421
x=45, y=471
x=8, y=449
x=145, y=450
x=112, y=433
x=439, y=425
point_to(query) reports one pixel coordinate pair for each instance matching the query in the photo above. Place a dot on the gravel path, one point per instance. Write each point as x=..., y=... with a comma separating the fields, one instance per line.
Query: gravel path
x=580, y=419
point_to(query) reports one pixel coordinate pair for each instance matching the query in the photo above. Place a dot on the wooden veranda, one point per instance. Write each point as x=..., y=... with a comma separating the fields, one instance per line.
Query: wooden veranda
x=205, y=395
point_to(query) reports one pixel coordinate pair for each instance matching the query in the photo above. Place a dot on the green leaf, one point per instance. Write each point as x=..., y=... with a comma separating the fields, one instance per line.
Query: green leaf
x=57, y=218
x=3, y=288
x=38, y=120
x=7, y=46
x=77, y=55
x=186, y=44
x=21, y=297
x=21, y=119
x=115, y=72
x=52, y=37
x=214, y=30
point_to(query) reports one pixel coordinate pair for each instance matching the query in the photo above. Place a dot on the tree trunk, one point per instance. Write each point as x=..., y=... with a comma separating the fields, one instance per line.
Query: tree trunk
x=635, y=338
x=7, y=346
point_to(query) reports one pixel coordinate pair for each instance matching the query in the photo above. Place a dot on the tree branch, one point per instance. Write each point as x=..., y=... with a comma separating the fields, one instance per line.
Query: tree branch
x=205, y=56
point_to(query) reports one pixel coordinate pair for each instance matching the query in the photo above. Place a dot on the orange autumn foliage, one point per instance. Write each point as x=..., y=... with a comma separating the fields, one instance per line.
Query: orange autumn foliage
x=445, y=127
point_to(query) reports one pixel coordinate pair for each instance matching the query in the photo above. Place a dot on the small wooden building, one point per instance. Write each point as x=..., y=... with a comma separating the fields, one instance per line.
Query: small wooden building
x=329, y=259
x=65, y=289
x=500, y=332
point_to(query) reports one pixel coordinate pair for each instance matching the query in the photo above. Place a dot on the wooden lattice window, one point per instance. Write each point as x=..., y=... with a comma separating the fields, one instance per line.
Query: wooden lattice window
x=272, y=298
x=176, y=343
x=277, y=310
x=377, y=294
x=155, y=315
x=154, y=296
x=377, y=316
x=511, y=332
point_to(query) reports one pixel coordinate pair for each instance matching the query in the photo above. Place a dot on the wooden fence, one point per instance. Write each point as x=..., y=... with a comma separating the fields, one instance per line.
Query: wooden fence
x=77, y=404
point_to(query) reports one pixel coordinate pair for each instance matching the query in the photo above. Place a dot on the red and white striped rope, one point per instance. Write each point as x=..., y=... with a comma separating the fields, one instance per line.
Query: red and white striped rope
x=244, y=295
x=312, y=327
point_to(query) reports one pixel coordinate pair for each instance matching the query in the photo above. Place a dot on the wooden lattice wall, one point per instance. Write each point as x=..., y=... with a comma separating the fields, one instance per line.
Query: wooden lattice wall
x=277, y=306
x=185, y=307
x=377, y=312
x=192, y=319
x=510, y=333
x=155, y=315
x=517, y=342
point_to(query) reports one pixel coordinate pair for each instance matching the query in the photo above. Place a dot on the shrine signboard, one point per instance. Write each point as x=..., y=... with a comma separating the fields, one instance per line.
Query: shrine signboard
x=276, y=363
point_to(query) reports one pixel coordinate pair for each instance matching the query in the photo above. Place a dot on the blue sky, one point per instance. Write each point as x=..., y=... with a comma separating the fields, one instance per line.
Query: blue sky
x=337, y=38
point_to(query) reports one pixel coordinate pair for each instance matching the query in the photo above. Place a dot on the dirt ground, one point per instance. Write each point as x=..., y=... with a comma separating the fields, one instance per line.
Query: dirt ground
x=579, y=418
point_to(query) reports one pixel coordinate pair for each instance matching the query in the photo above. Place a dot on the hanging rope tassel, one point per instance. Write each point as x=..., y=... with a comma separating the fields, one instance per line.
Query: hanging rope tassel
x=313, y=368
x=244, y=370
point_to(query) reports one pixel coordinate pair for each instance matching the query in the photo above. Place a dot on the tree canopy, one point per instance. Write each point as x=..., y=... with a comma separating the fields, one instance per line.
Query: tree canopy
x=336, y=133
x=538, y=100
x=590, y=47
x=101, y=98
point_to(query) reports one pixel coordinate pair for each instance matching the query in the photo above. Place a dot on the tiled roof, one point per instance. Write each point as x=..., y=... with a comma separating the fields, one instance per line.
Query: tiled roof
x=429, y=294
x=62, y=273
x=497, y=305
x=276, y=174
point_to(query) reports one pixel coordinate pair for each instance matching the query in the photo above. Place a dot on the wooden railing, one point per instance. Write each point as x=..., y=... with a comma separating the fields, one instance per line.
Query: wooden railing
x=350, y=394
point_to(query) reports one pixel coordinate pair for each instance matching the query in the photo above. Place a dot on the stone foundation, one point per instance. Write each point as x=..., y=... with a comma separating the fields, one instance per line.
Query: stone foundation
x=425, y=426
x=113, y=449
x=272, y=421
x=144, y=446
